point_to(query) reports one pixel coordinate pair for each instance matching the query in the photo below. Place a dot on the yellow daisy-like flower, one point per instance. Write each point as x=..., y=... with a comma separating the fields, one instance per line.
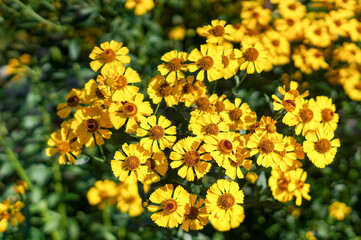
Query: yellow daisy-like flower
x=279, y=183
x=129, y=163
x=267, y=126
x=191, y=158
x=328, y=114
x=132, y=110
x=252, y=57
x=10, y=211
x=159, y=88
x=174, y=66
x=168, y=205
x=129, y=201
x=177, y=33
x=140, y=6
x=89, y=123
x=292, y=151
x=217, y=32
x=156, y=136
x=190, y=90
x=292, y=9
x=207, y=124
x=255, y=16
x=277, y=46
x=223, y=204
x=97, y=95
x=64, y=141
x=73, y=100
x=203, y=104
x=196, y=216
x=207, y=61
x=317, y=33
x=157, y=164
x=110, y=56
x=230, y=63
x=298, y=186
x=103, y=193
x=239, y=160
x=251, y=177
x=320, y=149
x=220, y=104
x=292, y=88
x=339, y=210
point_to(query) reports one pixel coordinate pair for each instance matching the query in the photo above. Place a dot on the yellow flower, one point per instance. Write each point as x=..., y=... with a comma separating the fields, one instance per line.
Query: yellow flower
x=292, y=29
x=110, y=56
x=129, y=163
x=267, y=126
x=168, y=205
x=157, y=165
x=255, y=16
x=207, y=62
x=238, y=160
x=129, y=201
x=298, y=186
x=354, y=30
x=320, y=149
x=196, y=216
x=277, y=46
x=339, y=210
x=174, y=66
x=18, y=67
x=132, y=110
x=89, y=123
x=103, y=193
x=329, y=117
x=220, y=104
x=177, y=33
x=230, y=63
x=317, y=33
x=65, y=142
x=223, y=204
x=279, y=183
x=10, y=211
x=97, y=95
x=159, y=88
x=251, y=177
x=252, y=57
x=190, y=157
x=217, y=32
x=207, y=124
x=20, y=187
x=337, y=24
x=156, y=136
x=353, y=88
x=292, y=9
x=73, y=100
x=141, y=6
x=190, y=90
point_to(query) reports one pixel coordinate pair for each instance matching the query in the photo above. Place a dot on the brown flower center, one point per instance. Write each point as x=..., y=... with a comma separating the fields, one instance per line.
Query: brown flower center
x=266, y=146
x=220, y=106
x=72, y=101
x=165, y=89
x=239, y=160
x=225, y=61
x=226, y=201
x=121, y=82
x=322, y=145
x=295, y=93
x=306, y=115
x=192, y=158
x=290, y=22
x=91, y=125
x=188, y=88
x=327, y=115
x=235, y=114
x=156, y=132
x=132, y=162
x=169, y=206
x=289, y=105
x=276, y=42
x=150, y=163
x=211, y=129
x=283, y=184
x=251, y=54
x=271, y=128
x=318, y=32
x=203, y=103
x=292, y=6
x=237, y=26
x=108, y=55
x=253, y=127
x=130, y=109
x=225, y=146
x=205, y=63
x=193, y=213
x=175, y=64
x=63, y=147
x=218, y=31
x=99, y=93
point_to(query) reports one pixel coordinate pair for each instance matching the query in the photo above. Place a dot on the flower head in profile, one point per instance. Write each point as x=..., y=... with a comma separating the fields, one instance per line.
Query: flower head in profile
x=174, y=66
x=10, y=211
x=103, y=193
x=111, y=55
x=252, y=57
x=196, y=216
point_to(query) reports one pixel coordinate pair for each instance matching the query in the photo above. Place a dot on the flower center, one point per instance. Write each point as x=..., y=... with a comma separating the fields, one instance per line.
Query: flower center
x=290, y=22
x=121, y=82
x=211, y=129
x=63, y=147
x=253, y=127
x=192, y=158
x=72, y=101
x=295, y=93
x=175, y=64
x=289, y=105
x=218, y=31
x=239, y=160
x=292, y=6
x=91, y=125
x=225, y=146
x=276, y=42
x=150, y=163
x=322, y=145
x=99, y=93
x=318, y=32
x=235, y=114
x=327, y=115
x=193, y=213
x=266, y=146
x=220, y=106
x=225, y=201
x=108, y=55
x=130, y=109
x=306, y=115
x=283, y=184
x=188, y=88
x=156, y=132
x=165, y=89
x=251, y=54
x=203, y=103
x=169, y=206
x=205, y=63
x=225, y=61
x=132, y=162
x=271, y=128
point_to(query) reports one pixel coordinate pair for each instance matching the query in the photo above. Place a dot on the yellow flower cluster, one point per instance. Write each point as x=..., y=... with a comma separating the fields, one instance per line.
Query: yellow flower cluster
x=18, y=67
x=339, y=210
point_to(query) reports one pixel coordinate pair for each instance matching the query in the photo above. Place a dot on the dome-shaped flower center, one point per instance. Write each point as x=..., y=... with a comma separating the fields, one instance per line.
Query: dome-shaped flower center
x=322, y=145
x=220, y=106
x=292, y=6
x=266, y=146
x=225, y=61
x=193, y=213
x=99, y=93
x=225, y=146
x=130, y=109
x=294, y=92
x=358, y=86
x=271, y=128
x=211, y=129
x=91, y=125
x=251, y=54
x=306, y=115
x=103, y=194
x=203, y=103
x=327, y=115
x=205, y=63
x=108, y=55
x=226, y=201
x=150, y=163
x=217, y=31
x=130, y=199
x=290, y=22
x=72, y=101
x=63, y=147
x=239, y=160
x=276, y=42
x=192, y=158
x=188, y=88
x=169, y=206
x=132, y=162
x=165, y=90
x=318, y=31
x=253, y=127
x=235, y=114
x=121, y=82
x=175, y=64
x=156, y=132
x=283, y=183
x=237, y=26
x=289, y=105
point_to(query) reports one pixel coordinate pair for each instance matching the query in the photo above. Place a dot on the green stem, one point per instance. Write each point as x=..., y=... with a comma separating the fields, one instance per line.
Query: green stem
x=244, y=186
x=45, y=214
x=215, y=86
x=106, y=215
x=156, y=110
x=102, y=152
x=244, y=77
x=59, y=189
x=94, y=157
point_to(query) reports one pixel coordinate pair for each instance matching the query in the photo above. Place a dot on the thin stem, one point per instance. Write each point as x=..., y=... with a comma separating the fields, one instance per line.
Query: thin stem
x=244, y=77
x=106, y=215
x=102, y=152
x=156, y=110
x=94, y=157
x=59, y=189
x=244, y=186
x=215, y=87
